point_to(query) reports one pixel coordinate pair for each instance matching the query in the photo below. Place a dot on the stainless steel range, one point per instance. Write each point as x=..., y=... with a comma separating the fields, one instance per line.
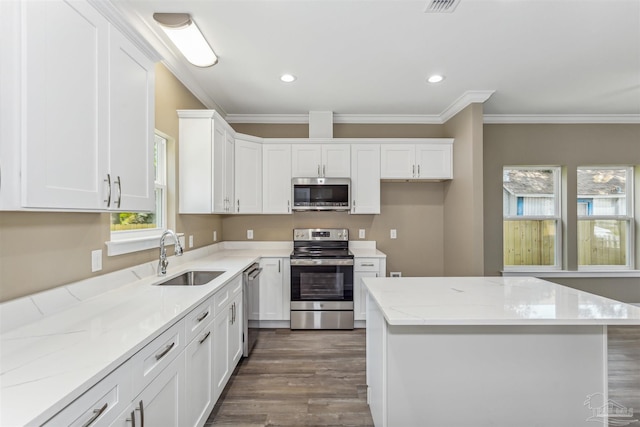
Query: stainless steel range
x=321, y=279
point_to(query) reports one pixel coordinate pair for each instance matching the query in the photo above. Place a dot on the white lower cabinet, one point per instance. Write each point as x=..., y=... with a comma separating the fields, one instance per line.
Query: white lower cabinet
x=100, y=405
x=270, y=299
x=227, y=334
x=364, y=267
x=199, y=377
x=169, y=383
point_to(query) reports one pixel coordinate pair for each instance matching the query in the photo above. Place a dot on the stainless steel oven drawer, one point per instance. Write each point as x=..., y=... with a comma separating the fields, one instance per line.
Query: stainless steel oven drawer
x=335, y=319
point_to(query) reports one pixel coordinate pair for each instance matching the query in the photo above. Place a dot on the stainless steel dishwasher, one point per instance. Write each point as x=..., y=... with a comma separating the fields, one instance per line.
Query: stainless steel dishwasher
x=250, y=297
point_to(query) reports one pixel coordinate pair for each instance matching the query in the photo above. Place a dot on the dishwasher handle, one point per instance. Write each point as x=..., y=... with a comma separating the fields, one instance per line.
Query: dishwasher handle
x=253, y=274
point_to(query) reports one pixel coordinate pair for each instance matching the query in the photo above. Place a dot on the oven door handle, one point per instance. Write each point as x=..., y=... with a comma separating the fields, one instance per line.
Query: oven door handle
x=321, y=261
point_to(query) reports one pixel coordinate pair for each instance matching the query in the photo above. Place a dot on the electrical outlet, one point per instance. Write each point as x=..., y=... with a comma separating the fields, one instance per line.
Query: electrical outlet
x=96, y=260
x=250, y=234
x=190, y=241
x=394, y=233
x=395, y=274
x=361, y=233
x=215, y=236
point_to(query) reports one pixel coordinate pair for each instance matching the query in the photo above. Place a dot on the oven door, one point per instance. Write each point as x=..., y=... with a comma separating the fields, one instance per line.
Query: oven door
x=321, y=280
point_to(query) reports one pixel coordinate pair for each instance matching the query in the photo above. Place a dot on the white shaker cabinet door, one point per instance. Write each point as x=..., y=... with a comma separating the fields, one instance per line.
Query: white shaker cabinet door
x=248, y=177
x=336, y=160
x=397, y=161
x=276, y=183
x=306, y=160
x=65, y=105
x=434, y=161
x=131, y=126
x=365, y=179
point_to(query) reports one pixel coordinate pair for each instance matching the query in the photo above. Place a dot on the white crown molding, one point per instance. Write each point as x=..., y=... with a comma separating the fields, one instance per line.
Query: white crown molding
x=561, y=118
x=467, y=98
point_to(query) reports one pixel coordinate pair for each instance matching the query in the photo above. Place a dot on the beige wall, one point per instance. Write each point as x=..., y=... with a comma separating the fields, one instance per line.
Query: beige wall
x=42, y=250
x=569, y=146
x=463, y=244
x=413, y=209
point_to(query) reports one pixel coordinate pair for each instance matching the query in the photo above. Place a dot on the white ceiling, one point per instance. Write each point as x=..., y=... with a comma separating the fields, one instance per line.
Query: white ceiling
x=370, y=58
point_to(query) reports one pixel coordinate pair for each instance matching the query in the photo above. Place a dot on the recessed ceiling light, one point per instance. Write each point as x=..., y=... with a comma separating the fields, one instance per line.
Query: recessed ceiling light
x=287, y=78
x=436, y=78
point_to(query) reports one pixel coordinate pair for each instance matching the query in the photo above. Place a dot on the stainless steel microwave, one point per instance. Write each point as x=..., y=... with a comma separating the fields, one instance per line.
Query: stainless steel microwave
x=321, y=194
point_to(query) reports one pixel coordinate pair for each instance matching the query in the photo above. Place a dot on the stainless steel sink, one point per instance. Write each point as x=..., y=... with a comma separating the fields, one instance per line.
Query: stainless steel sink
x=191, y=278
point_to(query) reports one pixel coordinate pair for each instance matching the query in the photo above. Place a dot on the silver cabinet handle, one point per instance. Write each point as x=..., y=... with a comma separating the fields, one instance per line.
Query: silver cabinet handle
x=288, y=206
x=205, y=337
x=367, y=265
x=141, y=409
x=96, y=415
x=238, y=205
x=231, y=314
x=279, y=265
x=418, y=171
x=324, y=171
x=117, y=181
x=319, y=170
x=108, y=181
x=414, y=171
x=133, y=418
x=166, y=350
x=202, y=316
x=234, y=313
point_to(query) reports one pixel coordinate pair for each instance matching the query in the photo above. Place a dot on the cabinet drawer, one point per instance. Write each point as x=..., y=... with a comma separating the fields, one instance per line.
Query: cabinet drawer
x=100, y=405
x=226, y=294
x=366, y=264
x=198, y=318
x=156, y=355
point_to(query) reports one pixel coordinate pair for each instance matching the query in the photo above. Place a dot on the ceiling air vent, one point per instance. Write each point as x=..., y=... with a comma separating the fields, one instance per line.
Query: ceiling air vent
x=441, y=6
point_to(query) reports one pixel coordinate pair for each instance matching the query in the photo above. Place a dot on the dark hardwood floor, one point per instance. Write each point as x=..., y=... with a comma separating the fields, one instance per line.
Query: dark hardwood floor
x=298, y=378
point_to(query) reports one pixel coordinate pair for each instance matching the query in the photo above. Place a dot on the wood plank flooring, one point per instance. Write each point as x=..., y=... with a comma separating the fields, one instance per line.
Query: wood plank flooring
x=298, y=378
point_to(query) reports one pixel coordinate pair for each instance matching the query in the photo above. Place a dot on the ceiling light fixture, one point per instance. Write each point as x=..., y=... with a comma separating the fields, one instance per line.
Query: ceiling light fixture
x=436, y=78
x=288, y=78
x=187, y=37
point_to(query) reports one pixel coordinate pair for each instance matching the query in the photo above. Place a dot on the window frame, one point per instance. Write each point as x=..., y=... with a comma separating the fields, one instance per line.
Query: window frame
x=629, y=218
x=558, y=218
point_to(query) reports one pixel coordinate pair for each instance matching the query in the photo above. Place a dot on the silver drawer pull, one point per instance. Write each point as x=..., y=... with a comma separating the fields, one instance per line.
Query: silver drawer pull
x=368, y=265
x=166, y=350
x=108, y=199
x=205, y=337
x=202, y=316
x=96, y=415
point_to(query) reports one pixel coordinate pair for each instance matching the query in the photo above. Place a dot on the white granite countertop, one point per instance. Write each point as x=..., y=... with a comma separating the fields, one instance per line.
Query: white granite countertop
x=47, y=363
x=493, y=301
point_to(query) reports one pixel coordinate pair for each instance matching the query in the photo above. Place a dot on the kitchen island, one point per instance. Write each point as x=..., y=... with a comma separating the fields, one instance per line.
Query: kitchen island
x=488, y=351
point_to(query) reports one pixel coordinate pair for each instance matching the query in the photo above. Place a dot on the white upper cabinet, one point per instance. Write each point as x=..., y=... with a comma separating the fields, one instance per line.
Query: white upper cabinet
x=248, y=176
x=320, y=160
x=276, y=183
x=131, y=126
x=83, y=114
x=425, y=161
x=365, y=178
x=65, y=101
x=206, y=153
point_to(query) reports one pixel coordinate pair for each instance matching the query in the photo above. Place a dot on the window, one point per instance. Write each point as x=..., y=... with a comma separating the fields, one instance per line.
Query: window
x=531, y=217
x=605, y=216
x=131, y=225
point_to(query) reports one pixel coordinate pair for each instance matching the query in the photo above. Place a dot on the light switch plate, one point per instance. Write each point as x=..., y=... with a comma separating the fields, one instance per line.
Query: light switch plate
x=395, y=274
x=191, y=241
x=250, y=234
x=394, y=233
x=215, y=236
x=96, y=260
x=361, y=233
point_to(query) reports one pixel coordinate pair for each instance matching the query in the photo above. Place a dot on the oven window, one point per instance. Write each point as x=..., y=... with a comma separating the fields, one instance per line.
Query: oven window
x=321, y=283
x=321, y=286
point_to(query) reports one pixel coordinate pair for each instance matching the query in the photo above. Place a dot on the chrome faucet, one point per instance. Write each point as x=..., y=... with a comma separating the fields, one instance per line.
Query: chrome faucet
x=163, y=263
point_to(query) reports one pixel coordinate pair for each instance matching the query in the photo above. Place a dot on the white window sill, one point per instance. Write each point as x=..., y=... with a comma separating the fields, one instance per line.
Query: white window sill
x=136, y=244
x=576, y=274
